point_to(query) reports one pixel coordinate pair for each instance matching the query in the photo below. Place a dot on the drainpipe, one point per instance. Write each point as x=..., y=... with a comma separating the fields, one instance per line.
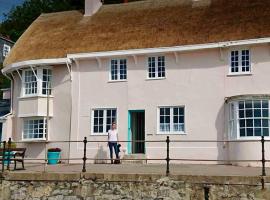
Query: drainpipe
x=69, y=66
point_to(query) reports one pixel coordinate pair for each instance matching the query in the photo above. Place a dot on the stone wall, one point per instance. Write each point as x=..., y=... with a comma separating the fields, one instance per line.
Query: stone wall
x=93, y=189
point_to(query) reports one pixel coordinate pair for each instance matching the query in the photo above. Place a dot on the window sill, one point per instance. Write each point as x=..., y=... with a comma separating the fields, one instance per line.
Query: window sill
x=99, y=134
x=258, y=138
x=116, y=81
x=150, y=79
x=35, y=96
x=239, y=74
x=171, y=133
x=34, y=141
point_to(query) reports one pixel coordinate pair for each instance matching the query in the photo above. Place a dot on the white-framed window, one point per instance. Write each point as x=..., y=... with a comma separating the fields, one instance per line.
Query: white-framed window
x=46, y=81
x=34, y=128
x=102, y=120
x=30, y=82
x=171, y=119
x=118, y=69
x=240, y=61
x=249, y=118
x=6, y=50
x=37, y=81
x=156, y=67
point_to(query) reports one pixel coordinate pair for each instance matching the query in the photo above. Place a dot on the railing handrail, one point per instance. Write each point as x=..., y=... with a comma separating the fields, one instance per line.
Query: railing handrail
x=7, y=146
x=146, y=141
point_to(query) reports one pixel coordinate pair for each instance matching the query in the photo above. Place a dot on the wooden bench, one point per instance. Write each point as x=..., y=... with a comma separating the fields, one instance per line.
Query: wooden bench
x=16, y=155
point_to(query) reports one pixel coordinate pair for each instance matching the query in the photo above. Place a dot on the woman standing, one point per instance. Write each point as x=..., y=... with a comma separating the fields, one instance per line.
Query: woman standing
x=112, y=142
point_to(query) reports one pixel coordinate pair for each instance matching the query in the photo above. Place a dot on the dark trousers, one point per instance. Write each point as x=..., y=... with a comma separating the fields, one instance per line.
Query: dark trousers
x=113, y=145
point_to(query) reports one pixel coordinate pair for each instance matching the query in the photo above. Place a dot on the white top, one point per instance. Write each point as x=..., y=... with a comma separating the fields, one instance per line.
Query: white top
x=112, y=135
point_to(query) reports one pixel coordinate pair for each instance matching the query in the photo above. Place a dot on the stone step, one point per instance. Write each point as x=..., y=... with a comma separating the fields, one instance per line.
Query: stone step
x=134, y=156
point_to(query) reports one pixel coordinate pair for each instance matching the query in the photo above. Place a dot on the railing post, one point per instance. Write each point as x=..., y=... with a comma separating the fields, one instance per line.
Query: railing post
x=8, y=153
x=84, y=154
x=263, y=161
x=168, y=156
x=3, y=156
x=263, y=157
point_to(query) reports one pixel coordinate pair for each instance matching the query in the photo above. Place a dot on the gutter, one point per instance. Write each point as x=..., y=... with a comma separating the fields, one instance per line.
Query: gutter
x=133, y=52
x=26, y=64
x=168, y=49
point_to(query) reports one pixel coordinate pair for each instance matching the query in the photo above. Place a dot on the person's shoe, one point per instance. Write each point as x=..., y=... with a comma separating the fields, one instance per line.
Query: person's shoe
x=111, y=161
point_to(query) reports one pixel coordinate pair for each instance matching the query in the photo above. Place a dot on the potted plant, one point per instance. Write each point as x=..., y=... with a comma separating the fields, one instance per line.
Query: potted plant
x=53, y=155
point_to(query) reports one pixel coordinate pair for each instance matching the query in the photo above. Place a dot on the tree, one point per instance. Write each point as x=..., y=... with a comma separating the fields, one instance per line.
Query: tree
x=20, y=17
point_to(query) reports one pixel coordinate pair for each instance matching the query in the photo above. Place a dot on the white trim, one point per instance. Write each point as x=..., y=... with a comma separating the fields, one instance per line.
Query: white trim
x=168, y=49
x=118, y=70
x=44, y=125
x=32, y=115
x=240, y=72
x=104, y=133
x=132, y=52
x=24, y=64
x=156, y=57
x=158, y=132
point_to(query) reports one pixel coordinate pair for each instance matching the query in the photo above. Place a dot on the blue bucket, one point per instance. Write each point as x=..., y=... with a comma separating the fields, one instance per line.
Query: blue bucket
x=53, y=157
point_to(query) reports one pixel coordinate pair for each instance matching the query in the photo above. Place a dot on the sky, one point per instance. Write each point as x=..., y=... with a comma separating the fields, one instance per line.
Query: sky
x=6, y=5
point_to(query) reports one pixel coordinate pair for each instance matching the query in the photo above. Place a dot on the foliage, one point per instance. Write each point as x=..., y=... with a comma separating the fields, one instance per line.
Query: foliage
x=20, y=17
x=54, y=150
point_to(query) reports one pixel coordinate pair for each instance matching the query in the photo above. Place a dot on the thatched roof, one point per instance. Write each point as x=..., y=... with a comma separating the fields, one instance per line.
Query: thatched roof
x=143, y=24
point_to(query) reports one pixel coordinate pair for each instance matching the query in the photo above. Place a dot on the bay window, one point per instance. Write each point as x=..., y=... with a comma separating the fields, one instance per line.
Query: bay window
x=249, y=118
x=36, y=82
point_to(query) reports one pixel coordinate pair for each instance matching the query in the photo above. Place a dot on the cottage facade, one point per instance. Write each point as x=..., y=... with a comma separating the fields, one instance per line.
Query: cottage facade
x=179, y=68
x=5, y=47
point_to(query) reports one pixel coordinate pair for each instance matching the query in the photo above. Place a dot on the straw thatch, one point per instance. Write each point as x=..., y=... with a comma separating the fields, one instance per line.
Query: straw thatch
x=143, y=24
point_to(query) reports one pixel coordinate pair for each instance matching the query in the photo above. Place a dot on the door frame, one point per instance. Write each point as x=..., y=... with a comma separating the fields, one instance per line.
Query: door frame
x=129, y=147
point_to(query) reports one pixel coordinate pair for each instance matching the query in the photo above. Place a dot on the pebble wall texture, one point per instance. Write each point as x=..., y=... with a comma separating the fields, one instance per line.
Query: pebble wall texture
x=163, y=188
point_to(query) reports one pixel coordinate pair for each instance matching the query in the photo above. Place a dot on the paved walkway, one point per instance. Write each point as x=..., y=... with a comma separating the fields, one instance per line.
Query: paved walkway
x=175, y=169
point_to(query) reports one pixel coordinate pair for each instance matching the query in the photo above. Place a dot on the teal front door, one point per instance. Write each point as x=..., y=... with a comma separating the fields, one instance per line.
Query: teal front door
x=1, y=125
x=136, y=132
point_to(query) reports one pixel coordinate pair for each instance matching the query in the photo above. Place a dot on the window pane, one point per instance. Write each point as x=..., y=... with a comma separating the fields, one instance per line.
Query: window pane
x=257, y=113
x=164, y=123
x=114, y=70
x=242, y=132
x=242, y=123
x=161, y=66
x=151, y=67
x=123, y=69
x=266, y=131
x=249, y=131
x=258, y=131
x=98, y=121
x=46, y=81
x=30, y=82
